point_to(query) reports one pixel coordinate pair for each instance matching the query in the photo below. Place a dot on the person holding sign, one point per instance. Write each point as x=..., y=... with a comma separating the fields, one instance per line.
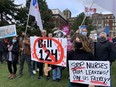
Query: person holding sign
x=83, y=30
x=44, y=34
x=81, y=51
x=104, y=49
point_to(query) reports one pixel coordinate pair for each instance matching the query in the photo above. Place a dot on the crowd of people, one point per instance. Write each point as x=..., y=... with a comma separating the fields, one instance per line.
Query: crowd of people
x=17, y=50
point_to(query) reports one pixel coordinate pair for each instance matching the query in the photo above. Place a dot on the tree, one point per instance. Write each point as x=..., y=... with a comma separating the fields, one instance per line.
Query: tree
x=78, y=21
x=8, y=11
x=46, y=15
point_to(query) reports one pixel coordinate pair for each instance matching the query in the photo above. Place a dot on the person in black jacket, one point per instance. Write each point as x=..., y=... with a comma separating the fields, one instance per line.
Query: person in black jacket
x=12, y=57
x=81, y=51
x=1, y=52
x=104, y=50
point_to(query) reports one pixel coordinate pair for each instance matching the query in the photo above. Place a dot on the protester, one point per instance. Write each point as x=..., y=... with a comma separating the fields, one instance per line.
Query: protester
x=83, y=30
x=104, y=49
x=5, y=43
x=12, y=57
x=1, y=52
x=44, y=34
x=57, y=70
x=47, y=67
x=35, y=65
x=81, y=51
x=114, y=40
x=25, y=55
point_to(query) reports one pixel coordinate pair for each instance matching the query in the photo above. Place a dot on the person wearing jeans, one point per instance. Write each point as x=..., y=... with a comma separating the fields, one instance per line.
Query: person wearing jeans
x=56, y=73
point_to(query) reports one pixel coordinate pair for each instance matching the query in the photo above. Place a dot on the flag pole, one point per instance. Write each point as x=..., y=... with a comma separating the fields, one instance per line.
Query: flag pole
x=84, y=17
x=27, y=25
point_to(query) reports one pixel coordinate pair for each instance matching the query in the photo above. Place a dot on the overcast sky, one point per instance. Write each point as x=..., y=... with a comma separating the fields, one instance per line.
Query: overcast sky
x=75, y=6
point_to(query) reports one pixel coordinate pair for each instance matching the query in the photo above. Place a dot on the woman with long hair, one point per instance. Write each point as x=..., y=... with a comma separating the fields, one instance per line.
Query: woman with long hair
x=81, y=51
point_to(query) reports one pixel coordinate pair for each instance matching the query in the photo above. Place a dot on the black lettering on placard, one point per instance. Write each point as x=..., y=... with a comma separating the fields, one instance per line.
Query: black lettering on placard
x=48, y=54
x=77, y=65
x=100, y=79
x=41, y=54
x=77, y=71
x=40, y=43
x=96, y=65
x=77, y=77
x=85, y=77
x=49, y=43
x=96, y=72
x=44, y=43
x=54, y=53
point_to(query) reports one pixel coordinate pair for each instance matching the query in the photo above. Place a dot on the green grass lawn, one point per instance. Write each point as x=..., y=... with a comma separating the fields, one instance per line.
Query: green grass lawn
x=27, y=81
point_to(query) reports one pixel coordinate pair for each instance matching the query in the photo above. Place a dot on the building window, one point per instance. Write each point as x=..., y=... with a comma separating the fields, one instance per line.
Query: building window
x=108, y=16
x=113, y=24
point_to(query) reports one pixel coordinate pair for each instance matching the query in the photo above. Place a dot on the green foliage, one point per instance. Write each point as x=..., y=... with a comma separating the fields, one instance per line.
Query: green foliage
x=7, y=7
x=26, y=81
x=78, y=21
x=20, y=14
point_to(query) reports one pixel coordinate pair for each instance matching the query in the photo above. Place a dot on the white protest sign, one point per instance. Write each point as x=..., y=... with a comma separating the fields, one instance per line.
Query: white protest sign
x=90, y=72
x=49, y=50
x=8, y=31
x=93, y=36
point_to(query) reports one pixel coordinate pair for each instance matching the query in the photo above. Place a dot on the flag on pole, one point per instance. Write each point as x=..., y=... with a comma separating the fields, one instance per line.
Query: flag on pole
x=108, y=5
x=34, y=11
x=90, y=11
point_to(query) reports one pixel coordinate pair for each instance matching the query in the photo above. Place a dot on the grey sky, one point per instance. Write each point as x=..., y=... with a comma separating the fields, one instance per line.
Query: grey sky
x=75, y=6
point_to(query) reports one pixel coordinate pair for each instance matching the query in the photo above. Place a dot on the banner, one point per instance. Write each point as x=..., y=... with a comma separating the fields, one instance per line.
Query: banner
x=90, y=72
x=49, y=50
x=90, y=11
x=66, y=29
x=8, y=31
x=34, y=11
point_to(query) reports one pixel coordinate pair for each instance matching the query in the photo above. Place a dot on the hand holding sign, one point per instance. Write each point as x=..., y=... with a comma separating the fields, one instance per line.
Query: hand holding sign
x=44, y=49
x=90, y=72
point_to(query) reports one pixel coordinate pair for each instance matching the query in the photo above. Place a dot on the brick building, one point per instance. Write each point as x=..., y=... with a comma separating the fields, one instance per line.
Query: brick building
x=59, y=19
x=102, y=20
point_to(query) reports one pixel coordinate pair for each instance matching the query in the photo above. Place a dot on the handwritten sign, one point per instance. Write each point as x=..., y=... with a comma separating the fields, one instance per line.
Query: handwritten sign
x=49, y=50
x=8, y=31
x=90, y=72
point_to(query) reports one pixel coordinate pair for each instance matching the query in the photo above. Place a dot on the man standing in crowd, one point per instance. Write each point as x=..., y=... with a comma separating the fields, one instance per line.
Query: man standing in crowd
x=25, y=55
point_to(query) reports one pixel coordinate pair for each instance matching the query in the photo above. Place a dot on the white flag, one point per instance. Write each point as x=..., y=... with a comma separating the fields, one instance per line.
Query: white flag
x=34, y=11
x=108, y=5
